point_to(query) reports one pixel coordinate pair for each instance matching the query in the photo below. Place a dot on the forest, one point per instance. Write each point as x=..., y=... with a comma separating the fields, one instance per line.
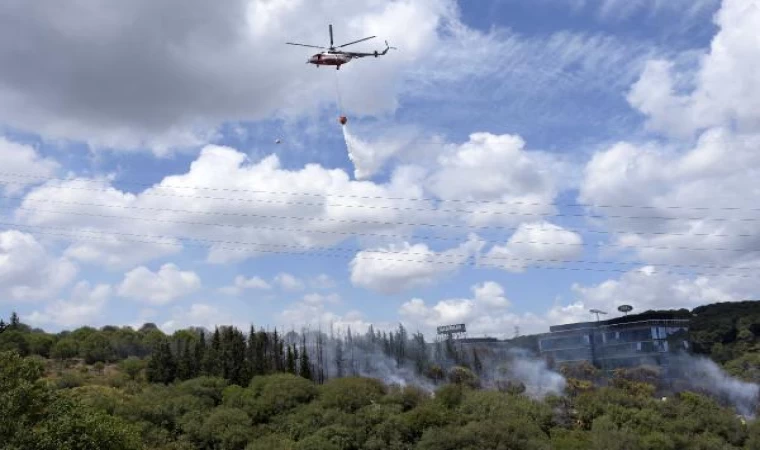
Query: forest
x=120, y=388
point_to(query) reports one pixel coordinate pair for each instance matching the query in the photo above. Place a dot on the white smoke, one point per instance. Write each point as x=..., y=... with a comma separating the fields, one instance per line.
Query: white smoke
x=519, y=365
x=513, y=365
x=377, y=365
x=704, y=375
x=539, y=381
x=360, y=357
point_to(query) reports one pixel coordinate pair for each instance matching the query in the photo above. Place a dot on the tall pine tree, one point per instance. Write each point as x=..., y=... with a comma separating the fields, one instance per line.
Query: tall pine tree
x=291, y=362
x=211, y=360
x=250, y=353
x=262, y=344
x=420, y=353
x=198, y=354
x=238, y=372
x=321, y=374
x=477, y=364
x=162, y=367
x=305, y=366
x=350, y=344
x=275, y=360
x=225, y=352
x=186, y=367
x=400, y=347
x=339, y=361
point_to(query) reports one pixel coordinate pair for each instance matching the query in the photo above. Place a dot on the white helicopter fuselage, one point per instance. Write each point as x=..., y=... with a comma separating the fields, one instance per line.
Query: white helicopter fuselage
x=329, y=59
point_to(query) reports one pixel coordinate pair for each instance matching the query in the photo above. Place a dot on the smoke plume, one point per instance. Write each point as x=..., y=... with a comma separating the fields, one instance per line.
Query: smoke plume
x=376, y=365
x=517, y=365
x=704, y=375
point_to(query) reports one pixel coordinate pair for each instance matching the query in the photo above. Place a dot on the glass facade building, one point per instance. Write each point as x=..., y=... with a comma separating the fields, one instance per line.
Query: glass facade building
x=617, y=343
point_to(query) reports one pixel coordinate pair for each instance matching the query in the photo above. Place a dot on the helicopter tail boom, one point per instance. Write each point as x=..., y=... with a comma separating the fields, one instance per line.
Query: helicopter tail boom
x=376, y=53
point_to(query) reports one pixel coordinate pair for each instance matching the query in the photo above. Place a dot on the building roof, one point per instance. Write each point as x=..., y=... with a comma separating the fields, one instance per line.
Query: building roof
x=478, y=340
x=643, y=317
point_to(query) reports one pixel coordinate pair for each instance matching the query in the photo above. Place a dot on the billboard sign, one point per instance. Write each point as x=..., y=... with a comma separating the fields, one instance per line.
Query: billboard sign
x=450, y=329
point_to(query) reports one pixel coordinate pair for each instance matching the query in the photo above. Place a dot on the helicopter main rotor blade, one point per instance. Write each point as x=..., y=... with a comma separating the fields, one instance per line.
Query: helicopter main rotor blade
x=331, y=37
x=305, y=45
x=356, y=42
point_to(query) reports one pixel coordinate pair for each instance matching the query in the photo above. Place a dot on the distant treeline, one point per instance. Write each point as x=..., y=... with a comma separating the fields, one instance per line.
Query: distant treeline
x=229, y=353
x=726, y=332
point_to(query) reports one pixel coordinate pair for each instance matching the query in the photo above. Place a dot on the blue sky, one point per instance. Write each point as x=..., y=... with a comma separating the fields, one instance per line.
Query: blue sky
x=515, y=110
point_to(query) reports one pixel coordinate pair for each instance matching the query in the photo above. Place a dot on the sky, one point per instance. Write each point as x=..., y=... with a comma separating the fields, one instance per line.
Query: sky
x=512, y=165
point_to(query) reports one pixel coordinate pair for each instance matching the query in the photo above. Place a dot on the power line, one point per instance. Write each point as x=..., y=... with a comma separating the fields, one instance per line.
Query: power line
x=346, y=221
x=351, y=196
x=357, y=250
x=443, y=238
x=342, y=253
x=397, y=208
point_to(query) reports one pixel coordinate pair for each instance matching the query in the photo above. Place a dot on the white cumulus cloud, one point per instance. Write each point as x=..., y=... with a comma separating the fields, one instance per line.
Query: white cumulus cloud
x=486, y=312
x=22, y=166
x=324, y=207
x=85, y=306
x=725, y=87
x=535, y=244
x=690, y=203
x=396, y=268
x=516, y=184
x=692, y=207
x=159, y=288
x=314, y=311
x=202, y=315
x=644, y=289
x=288, y=282
x=27, y=271
x=242, y=283
x=322, y=281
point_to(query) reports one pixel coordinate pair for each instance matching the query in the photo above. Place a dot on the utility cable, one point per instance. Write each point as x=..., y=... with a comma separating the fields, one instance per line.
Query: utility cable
x=341, y=221
x=352, y=196
x=443, y=254
x=397, y=208
x=341, y=253
x=457, y=240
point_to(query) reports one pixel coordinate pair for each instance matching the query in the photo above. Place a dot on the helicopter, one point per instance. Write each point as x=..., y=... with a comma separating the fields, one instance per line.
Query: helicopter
x=334, y=57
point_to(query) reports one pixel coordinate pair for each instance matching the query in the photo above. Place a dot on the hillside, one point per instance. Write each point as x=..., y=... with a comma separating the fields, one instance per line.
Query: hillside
x=728, y=333
x=128, y=389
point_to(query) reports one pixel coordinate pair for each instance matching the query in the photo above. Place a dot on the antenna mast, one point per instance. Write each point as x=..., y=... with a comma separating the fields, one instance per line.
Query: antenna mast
x=597, y=312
